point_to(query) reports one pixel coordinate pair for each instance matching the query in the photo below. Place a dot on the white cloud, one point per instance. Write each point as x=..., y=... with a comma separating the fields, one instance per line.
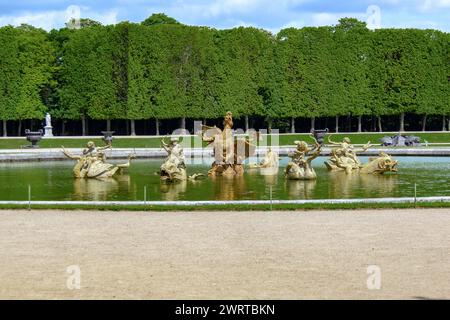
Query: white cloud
x=427, y=5
x=55, y=19
x=328, y=19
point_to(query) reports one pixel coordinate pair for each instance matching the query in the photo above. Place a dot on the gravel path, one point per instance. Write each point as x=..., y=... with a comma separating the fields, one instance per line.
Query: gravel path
x=220, y=255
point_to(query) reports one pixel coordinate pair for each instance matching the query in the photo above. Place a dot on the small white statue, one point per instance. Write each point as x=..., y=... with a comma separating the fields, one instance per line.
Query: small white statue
x=48, y=126
x=48, y=120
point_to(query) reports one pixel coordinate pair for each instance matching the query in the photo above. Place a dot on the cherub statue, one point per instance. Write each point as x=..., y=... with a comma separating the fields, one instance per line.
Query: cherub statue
x=174, y=167
x=344, y=156
x=270, y=160
x=92, y=163
x=91, y=149
x=300, y=167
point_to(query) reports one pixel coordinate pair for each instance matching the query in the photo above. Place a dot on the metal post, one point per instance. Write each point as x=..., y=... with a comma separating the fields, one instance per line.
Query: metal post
x=145, y=194
x=29, y=197
x=415, y=194
x=270, y=190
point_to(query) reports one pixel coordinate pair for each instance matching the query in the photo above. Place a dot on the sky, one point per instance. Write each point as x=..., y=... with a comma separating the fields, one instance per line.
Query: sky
x=272, y=15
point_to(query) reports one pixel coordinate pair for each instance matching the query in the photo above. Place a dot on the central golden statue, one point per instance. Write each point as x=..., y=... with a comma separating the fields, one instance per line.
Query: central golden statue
x=229, y=151
x=92, y=163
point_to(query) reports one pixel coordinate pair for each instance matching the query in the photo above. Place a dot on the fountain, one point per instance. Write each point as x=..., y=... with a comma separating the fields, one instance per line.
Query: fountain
x=229, y=151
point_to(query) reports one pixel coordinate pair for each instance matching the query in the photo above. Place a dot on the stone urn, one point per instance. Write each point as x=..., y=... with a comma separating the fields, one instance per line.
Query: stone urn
x=319, y=135
x=108, y=137
x=34, y=137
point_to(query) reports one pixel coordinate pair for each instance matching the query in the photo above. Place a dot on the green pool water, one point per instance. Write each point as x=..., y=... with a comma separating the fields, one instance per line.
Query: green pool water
x=54, y=181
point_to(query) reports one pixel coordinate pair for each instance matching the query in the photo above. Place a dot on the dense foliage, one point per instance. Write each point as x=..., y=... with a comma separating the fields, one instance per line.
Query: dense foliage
x=161, y=69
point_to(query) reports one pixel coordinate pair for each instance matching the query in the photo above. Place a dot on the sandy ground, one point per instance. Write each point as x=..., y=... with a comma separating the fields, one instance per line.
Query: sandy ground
x=215, y=255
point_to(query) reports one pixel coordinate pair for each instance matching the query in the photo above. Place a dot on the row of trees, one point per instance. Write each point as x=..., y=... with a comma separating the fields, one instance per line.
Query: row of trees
x=161, y=69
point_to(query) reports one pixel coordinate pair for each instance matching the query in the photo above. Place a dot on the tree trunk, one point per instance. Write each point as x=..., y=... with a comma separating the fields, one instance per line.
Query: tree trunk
x=424, y=122
x=313, y=123
x=443, y=123
x=380, y=128
x=108, y=125
x=5, y=133
x=269, y=125
x=359, y=123
x=83, y=125
x=292, y=125
x=19, y=129
x=246, y=123
x=133, y=127
x=337, y=124
x=402, y=122
x=183, y=123
x=157, y=126
x=63, y=127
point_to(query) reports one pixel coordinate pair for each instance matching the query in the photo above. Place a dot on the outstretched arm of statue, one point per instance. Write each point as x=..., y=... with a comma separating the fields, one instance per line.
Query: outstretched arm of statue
x=104, y=148
x=316, y=153
x=165, y=146
x=332, y=142
x=365, y=147
x=69, y=155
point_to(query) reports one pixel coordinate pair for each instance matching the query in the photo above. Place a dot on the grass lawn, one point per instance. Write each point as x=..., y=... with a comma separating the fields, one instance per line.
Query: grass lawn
x=240, y=207
x=284, y=139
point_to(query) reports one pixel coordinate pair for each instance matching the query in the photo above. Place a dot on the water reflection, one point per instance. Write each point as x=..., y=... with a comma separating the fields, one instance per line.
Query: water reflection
x=93, y=189
x=172, y=191
x=53, y=181
x=300, y=189
x=344, y=185
x=228, y=188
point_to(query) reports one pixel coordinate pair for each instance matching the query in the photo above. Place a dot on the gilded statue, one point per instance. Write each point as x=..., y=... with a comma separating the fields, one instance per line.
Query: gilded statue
x=92, y=163
x=174, y=167
x=300, y=168
x=344, y=158
x=270, y=160
x=229, y=151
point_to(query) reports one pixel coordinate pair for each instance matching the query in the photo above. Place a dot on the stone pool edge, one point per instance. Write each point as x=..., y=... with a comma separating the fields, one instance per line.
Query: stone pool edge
x=55, y=154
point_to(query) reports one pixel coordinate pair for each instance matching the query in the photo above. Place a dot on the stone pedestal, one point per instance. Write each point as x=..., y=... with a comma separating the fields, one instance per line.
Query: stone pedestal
x=48, y=131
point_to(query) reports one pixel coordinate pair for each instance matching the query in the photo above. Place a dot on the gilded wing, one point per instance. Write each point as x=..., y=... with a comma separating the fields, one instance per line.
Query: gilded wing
x=208, y=133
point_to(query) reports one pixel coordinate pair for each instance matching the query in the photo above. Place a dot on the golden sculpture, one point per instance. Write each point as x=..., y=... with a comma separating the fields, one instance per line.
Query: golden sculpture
x=270, y=160
x=92, y=163
x=174, y=167
x=344, y=158
x=300, y=168
x=229, y=151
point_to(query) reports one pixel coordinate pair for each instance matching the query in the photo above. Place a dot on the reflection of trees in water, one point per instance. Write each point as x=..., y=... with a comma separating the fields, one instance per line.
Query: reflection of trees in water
x=300, y=189
x=228, y=188
x=171, y=191
x=366, y=185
